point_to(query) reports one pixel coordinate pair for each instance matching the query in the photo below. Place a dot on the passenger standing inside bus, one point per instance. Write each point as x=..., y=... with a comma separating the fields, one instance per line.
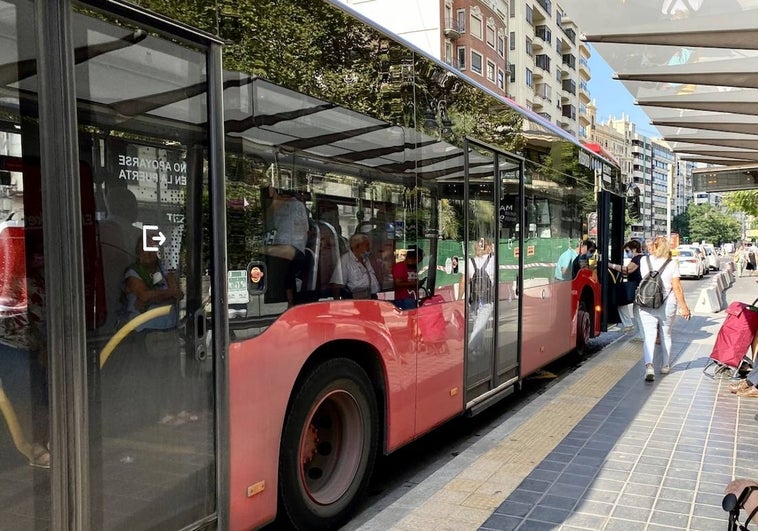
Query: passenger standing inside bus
x=405, y=279
x=660, y=251
x=565, y=262
x=480, y=274
x=587, y=251
x=285, y=240
x=355, y=277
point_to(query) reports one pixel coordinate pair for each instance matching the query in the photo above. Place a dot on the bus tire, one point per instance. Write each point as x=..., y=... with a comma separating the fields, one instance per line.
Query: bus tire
x=329, y=444
x=583, y=328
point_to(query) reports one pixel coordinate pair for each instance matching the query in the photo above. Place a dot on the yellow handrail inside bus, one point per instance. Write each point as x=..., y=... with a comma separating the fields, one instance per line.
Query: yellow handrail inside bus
x=12, y=421
x=122, y=332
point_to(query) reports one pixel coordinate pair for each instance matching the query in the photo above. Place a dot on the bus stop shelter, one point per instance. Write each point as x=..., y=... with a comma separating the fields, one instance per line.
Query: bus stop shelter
x=692, y=65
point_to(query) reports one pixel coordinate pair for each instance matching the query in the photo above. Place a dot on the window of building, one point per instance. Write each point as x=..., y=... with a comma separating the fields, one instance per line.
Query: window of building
x=529, y=47
x=461, y=19
x=449, y=53
x=512, y=12
x=529, y=15
x=529, y=81
x=490, y=34
x=476, y=62
x=476, y=23
x=491, y=71
x=512, y=72
x=542, y=61
x=512, y=41
x=501, y=43
x=461, y=58
x=500, y=79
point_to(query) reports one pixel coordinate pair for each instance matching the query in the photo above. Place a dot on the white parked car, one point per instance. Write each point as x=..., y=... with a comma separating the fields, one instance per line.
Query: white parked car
x=711, y=259
x=699, y=252
x=690, y=264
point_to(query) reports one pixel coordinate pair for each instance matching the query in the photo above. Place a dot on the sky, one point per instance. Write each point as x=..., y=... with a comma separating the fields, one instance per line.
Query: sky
x=612, y=99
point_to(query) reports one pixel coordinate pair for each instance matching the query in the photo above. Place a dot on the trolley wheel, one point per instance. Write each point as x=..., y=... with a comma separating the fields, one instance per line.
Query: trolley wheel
x=583, y=328
x=329, y=445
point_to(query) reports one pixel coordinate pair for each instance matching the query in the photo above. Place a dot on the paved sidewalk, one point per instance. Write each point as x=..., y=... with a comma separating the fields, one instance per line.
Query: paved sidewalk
x=602, y=449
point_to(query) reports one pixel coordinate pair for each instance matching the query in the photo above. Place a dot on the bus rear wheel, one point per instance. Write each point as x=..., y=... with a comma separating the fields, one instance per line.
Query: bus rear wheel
x=583, y=328
x=329, y=445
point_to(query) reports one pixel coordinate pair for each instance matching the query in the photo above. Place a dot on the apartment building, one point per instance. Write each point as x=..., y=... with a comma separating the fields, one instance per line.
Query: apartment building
x=549, y=65
x=527, y=50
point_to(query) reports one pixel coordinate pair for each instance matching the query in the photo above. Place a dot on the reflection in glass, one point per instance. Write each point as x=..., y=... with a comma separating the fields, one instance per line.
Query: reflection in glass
x=152, y=433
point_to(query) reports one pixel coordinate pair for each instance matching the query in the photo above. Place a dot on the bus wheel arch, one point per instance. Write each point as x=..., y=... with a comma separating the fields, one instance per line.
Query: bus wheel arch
x=584, y=321
x=330, y=440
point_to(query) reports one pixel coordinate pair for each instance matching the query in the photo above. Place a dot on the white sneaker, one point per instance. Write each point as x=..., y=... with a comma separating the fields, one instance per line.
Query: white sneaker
x=649, y=374
x=665, y=369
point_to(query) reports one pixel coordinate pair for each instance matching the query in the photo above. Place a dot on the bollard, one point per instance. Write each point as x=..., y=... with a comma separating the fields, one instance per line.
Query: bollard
x=722, y=281
x=709, y=300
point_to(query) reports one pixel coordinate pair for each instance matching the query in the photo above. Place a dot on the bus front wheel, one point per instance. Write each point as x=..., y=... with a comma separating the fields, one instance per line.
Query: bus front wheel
x=329, y=445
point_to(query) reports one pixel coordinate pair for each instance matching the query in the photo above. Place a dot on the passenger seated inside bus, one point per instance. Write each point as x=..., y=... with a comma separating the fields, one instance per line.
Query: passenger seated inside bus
x=285, y=237
x=405, y=279
x=355, y=277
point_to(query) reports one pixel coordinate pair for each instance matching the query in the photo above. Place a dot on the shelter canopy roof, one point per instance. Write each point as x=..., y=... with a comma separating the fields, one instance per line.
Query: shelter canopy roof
x=690, y=64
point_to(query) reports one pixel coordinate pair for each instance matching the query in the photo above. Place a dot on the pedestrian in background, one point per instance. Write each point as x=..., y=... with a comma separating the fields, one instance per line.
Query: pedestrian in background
x=740, y=258
x=650, y=318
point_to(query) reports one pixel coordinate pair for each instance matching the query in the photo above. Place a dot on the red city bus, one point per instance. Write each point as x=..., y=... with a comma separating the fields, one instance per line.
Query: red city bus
x=269, y=298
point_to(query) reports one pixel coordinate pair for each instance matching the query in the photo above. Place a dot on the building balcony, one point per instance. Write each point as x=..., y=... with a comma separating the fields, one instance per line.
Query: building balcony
x=547, y=6
x=584, y=68
x=453, y=29
x=543, y=33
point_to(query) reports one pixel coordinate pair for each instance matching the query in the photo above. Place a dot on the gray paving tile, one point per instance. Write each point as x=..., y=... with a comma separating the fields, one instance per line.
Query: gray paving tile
x=676, y=520
x=616, y=524
x=512, y=508
x=532, y=525
x=584, y=521
x=546, y=513
x=498, y=522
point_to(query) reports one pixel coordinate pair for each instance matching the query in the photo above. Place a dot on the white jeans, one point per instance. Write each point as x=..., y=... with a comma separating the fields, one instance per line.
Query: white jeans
x=630, y=316
x=650, y=318
x=476, y=335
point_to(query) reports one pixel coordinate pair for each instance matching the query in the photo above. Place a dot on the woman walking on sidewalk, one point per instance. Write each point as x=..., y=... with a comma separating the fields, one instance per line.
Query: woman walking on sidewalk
x=650, y=318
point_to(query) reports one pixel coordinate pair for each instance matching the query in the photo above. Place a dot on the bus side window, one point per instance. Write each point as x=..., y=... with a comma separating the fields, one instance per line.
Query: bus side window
x=329, y=256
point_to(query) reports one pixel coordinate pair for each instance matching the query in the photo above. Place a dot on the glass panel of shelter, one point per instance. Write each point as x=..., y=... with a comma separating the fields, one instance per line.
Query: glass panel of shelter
x=142, y=139
x=25, y=455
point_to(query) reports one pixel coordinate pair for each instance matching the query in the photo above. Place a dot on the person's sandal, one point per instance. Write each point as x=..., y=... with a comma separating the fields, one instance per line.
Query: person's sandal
x=750, y=392
x=40, y=456
x=739, y=386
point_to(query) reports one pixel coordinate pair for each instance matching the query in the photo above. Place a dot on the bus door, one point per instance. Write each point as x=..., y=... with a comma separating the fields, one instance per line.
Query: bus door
x=152, y=405
x=492, y=199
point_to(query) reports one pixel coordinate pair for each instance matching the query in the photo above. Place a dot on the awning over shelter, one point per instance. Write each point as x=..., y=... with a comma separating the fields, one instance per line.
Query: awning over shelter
x=690, y=64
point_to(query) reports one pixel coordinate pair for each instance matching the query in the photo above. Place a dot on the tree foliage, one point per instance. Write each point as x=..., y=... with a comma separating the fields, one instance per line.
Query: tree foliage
x=706, y=223
x=744, y=201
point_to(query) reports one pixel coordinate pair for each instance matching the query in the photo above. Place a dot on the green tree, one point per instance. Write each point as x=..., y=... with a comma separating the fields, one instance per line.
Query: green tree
x=707, y=223
x=744, y=201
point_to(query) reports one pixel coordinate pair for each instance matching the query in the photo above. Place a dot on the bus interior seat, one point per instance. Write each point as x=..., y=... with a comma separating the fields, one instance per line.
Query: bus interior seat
x=328, y=256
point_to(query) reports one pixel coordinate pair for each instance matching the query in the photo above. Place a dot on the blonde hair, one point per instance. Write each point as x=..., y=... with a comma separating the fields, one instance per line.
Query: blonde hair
x=482, y=247
x=660, y=247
